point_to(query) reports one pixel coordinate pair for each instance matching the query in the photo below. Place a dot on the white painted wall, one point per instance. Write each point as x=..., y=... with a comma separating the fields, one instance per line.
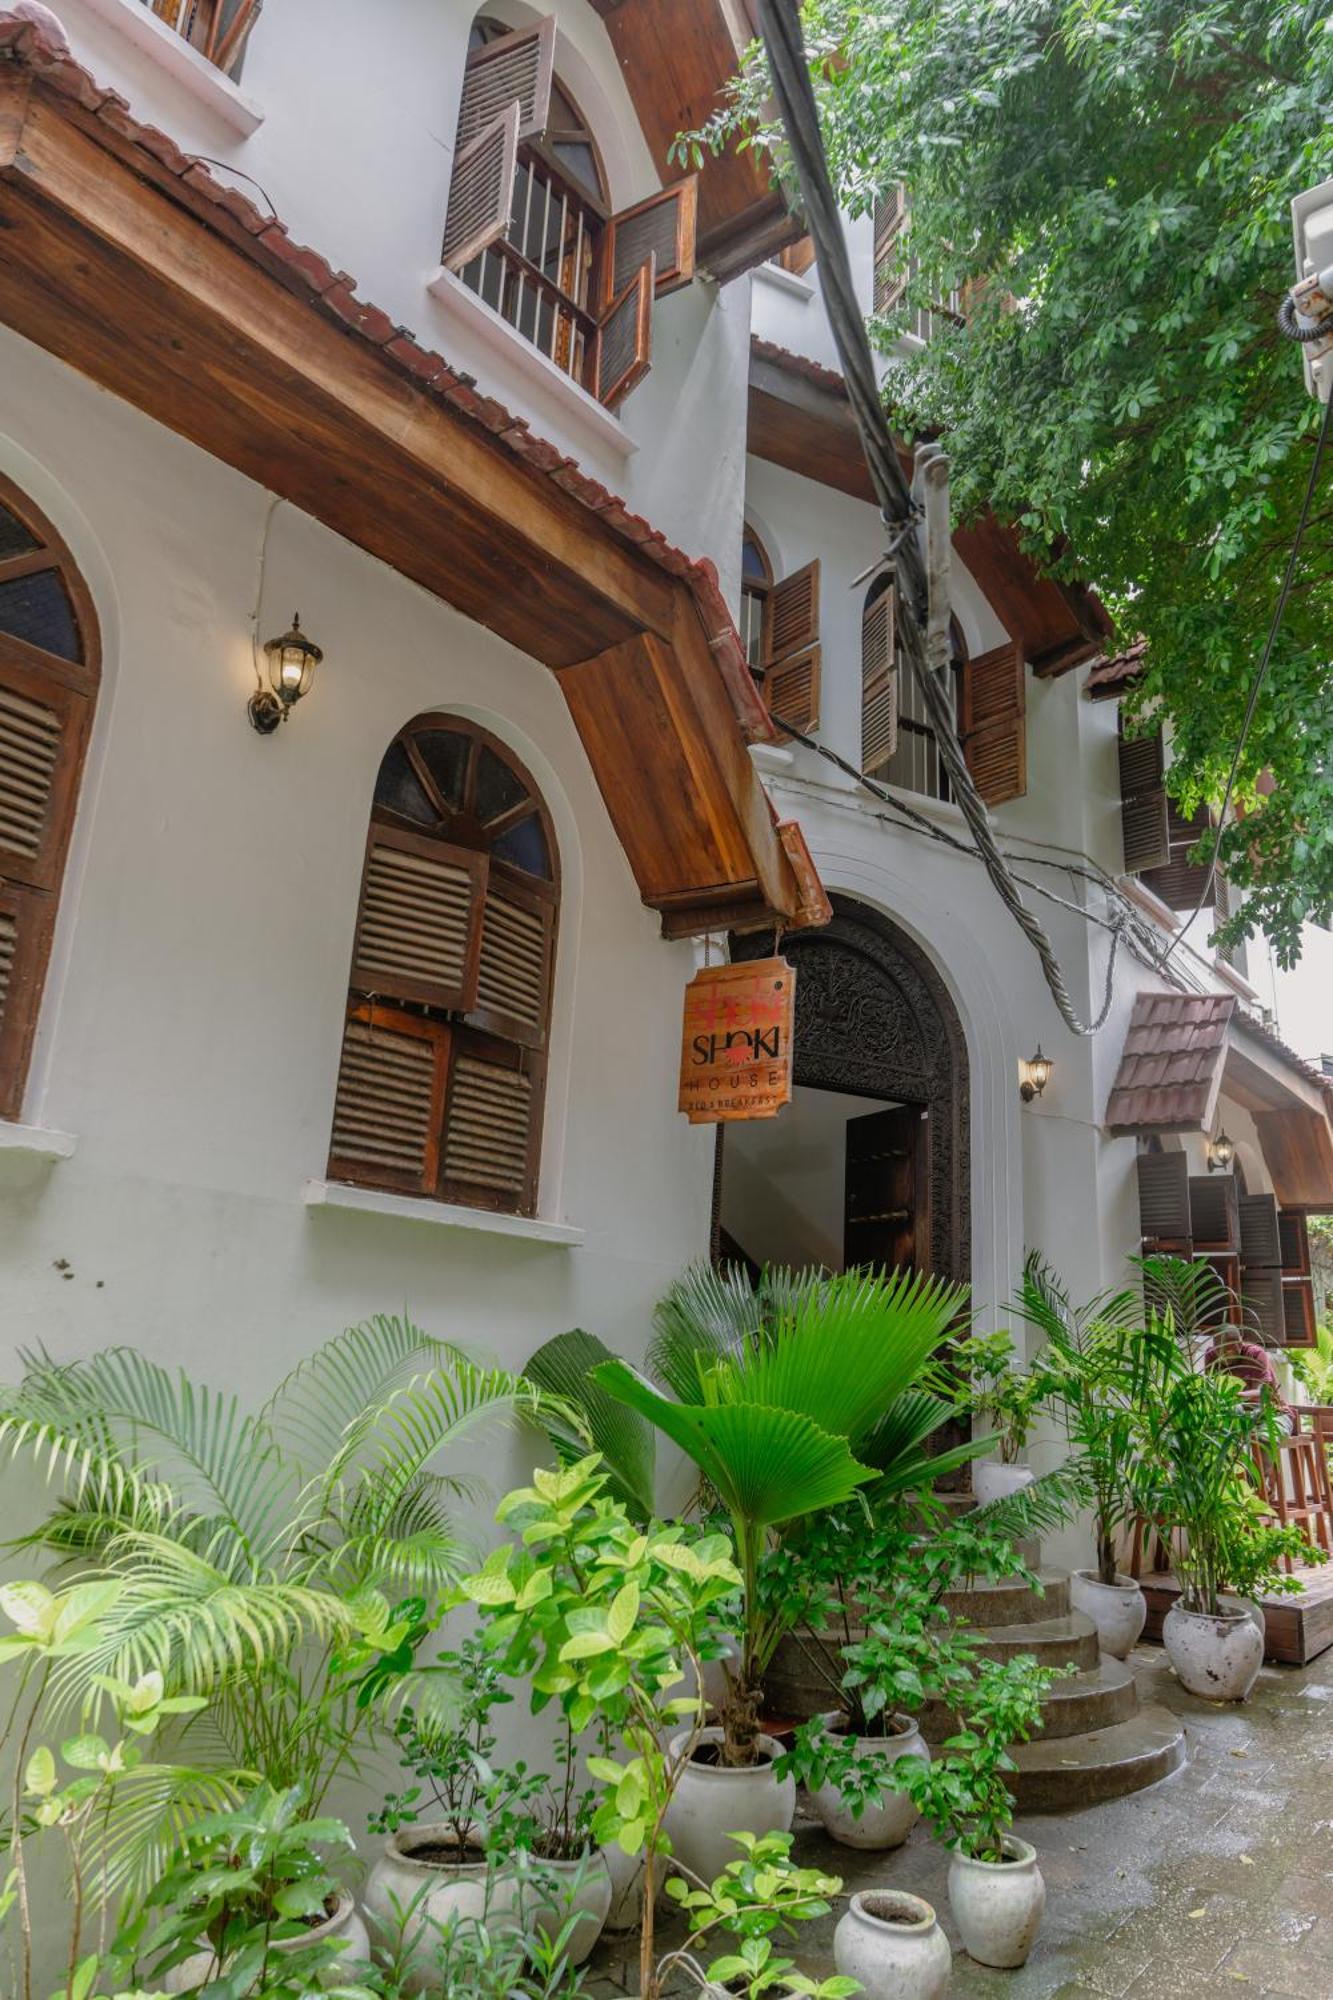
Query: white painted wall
x=193, y=1017
x=784, y=1179
x=354, y=152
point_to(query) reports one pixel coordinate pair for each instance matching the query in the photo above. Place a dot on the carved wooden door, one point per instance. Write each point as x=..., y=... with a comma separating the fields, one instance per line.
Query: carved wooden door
x=886, y=1213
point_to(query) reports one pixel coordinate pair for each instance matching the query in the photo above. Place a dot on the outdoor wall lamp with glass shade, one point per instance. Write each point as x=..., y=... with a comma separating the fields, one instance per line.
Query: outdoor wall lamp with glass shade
x=292, y=660
x=1221, y=1152
x=1036, y=1074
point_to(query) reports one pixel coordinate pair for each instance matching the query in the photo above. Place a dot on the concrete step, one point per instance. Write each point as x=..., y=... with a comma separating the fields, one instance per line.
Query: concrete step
x=1056, y=1774
x=1097, y=1699
x=1069, y=1641
x=1011, y=1601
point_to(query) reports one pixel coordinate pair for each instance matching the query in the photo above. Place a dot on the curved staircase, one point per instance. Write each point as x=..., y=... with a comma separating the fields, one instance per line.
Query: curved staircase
x=1099, y=1740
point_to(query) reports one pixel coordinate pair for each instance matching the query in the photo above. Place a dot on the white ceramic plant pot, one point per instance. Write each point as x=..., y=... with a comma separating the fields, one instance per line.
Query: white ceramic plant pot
x=891, y=1943
x=1254, y=1612
x=626, y=1912
x=998, y=1905
x=712, y=1802
x=992, y=1480
x=345, y=1925
x=1216, y=1658
x=1118, y=1610
x=409, y=1877
x=888, y=1823
x=579, y=1889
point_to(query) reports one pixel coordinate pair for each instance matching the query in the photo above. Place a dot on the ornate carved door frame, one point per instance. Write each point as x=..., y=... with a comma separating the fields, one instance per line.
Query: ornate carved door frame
x=874, y=1017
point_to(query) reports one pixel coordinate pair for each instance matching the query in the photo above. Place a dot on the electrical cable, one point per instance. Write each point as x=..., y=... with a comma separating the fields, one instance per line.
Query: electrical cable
x=780, y=30
x=1289, y=577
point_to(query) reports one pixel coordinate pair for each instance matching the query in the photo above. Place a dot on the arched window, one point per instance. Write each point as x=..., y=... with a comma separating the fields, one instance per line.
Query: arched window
x=48, y=685
x=529, y=226
x=756, y=583
x=444, y=1052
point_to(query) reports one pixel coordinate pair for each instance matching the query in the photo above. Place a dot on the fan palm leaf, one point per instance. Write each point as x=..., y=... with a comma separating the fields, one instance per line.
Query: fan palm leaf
x=709, y=1313
x=578, y=1412
x=767, y=1465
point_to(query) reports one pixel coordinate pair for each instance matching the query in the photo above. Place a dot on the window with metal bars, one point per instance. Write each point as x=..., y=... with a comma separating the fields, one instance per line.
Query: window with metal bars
x=48, y=687
x=219, y=29
x=540, y=274
x=443, y=1064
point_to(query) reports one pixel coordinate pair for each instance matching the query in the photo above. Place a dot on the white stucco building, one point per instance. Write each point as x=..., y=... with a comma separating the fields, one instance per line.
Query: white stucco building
x=205, y=426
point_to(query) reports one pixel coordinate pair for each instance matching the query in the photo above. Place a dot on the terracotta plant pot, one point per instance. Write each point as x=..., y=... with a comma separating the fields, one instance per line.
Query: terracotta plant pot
x=1216, y=1658
x=1118, y=1610
x=892, y=1944
x=712, y=1802
x=879, y=1826
x=344, y=1924
x=998, y=1905
x=991, y=1480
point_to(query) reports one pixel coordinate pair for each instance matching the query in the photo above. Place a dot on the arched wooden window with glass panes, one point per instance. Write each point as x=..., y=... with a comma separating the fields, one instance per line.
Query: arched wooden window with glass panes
x=48, y=684
x=443, y=1065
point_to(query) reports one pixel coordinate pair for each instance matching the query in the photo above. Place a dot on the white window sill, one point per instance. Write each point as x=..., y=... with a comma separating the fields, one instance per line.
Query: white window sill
x=28, y=1152
x=173, y=54
x=783, y=280
x=36, y=1142
x=442, y=1214
x=599, y=425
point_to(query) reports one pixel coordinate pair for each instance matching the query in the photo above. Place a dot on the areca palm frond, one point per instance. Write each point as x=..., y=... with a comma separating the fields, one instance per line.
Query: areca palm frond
x=218, y=1462
x=155, y=1806
x=1037, y=1509
x=200, y=1621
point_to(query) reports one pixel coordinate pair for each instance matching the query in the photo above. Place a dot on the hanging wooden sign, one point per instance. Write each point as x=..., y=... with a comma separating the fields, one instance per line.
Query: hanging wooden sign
x=735, y=1054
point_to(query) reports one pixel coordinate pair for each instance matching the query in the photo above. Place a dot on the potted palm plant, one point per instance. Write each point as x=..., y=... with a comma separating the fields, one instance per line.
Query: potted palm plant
x=1108, y=1371
x=1193, y=1481
x=287, y=1565
x=788, y=1397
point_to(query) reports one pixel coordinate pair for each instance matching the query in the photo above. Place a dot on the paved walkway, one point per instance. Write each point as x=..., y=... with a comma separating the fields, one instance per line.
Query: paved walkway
x=1217, y=1881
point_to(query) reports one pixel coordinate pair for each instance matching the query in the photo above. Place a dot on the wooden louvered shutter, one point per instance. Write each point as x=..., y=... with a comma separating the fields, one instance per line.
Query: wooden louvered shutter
x=1143, y=802
x=890, y=281
x=481, y=191
x=1262, y=1305
x=492, y=1126
x=389, y=1103
x=513, y=69
x=879, y=685
x=1164, y=1198
x=1260, y=1236
x=44, y=723
x=662, y=227
x=1214, y=1211
x=1300, y=1323
x=514, y=965
x=418, y=929
x=1180, y=882
x=623, y=349
x=995, y=723
x=791, y=674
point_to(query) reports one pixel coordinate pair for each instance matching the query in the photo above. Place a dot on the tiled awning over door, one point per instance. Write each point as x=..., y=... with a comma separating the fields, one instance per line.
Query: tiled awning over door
x=1171, y=1070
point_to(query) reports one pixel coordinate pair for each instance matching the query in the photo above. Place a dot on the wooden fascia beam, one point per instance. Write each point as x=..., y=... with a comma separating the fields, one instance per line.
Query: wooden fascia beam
x=118, y=278
x=695, y=794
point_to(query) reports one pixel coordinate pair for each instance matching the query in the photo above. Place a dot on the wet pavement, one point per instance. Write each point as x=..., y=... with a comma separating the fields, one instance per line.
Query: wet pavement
x=1219, y=1880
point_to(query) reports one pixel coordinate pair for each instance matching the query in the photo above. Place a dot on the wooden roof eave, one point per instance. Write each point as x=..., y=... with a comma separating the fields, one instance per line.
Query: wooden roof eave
x=124, y=259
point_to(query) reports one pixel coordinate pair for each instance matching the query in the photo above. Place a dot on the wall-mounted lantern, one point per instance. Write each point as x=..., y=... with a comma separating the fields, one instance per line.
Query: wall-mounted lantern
x=292, y=660
x=1221, y=1152
x=1035, y=1075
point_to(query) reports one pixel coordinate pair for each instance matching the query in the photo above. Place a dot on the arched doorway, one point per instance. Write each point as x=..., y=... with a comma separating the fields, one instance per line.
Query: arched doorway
x=869, y=1164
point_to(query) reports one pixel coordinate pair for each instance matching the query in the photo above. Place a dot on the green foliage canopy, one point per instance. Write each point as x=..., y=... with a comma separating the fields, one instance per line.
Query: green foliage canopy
x=1119, y=173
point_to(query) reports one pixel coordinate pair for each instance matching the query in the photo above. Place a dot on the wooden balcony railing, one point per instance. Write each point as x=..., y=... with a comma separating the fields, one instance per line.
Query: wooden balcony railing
x=217, y=28
x=538, y=275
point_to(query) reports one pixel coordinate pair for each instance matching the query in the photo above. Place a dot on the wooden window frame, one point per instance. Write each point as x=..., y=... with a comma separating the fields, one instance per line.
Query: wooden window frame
x=30, y=888
x=199, y=24
x=476, y=1028
x=758, y=590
